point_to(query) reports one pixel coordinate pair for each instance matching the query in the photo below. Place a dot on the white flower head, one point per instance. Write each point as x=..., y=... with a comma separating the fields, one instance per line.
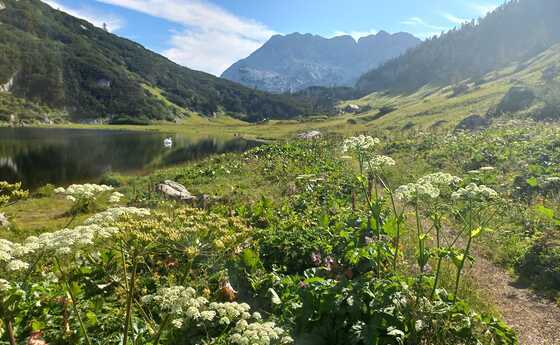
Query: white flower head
x=414, y=191
x=475, y=192
x=361, y=142
x=379, y=162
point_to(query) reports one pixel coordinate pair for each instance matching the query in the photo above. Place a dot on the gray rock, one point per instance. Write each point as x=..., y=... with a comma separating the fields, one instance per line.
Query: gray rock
x=310, y=135
x=175, y=191
x=4, y=220
x=473, y=123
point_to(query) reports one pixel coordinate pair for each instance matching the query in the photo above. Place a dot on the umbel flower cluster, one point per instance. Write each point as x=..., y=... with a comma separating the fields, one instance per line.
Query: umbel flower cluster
x=83, y=191
x=58, y=243
x=186, y=306
x=110, y=216
x=475, y=192
x=379, y=162
x=361, y=142
x=431, y=186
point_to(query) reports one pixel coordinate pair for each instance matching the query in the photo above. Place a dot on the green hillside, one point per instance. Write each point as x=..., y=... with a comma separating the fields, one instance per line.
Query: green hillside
x=444, y=106
x=66, y=66
x=517, y=30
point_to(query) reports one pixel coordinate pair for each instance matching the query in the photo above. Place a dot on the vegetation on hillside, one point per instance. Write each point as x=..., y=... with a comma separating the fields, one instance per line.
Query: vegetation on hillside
x=515, y=31
x=66, y=63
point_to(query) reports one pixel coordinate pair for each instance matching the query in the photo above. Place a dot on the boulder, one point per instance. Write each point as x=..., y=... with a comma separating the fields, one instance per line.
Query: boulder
x=309, y=135
x=176, y=191
x=352, y=108
x=4, y=220
x=473, y=123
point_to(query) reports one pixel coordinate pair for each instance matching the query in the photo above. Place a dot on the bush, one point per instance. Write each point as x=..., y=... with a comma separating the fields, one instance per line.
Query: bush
x=45, y=191
x=541, y=264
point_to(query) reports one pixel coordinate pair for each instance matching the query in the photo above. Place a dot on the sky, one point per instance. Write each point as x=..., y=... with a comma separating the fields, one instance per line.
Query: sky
x=211, y=35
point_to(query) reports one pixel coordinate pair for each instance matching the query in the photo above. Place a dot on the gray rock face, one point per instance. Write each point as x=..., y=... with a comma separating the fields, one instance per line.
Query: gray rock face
x=294, y=62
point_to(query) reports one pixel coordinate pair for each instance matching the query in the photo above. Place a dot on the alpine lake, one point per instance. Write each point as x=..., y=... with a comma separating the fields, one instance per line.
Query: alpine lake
x=60, y=156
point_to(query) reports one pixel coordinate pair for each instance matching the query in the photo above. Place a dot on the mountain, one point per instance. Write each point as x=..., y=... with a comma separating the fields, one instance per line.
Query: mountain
x=51, y=62
x=294, y=62
x=515, y=31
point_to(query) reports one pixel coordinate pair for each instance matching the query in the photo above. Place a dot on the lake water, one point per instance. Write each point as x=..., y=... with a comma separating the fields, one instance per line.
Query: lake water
x=37, y=156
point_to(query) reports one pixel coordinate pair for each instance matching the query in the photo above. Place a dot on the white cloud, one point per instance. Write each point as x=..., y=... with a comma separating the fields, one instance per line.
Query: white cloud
x=453, y=19
x=419, y=22
x=482, y=9
x=355, y=34
x=211, y=39
x=93, y=16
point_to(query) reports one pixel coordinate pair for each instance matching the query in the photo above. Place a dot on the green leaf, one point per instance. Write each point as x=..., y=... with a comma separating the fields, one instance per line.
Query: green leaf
x=91, y=318
x=545, y=212
x=476, y=232
x=533, y=182
x=37, y=325
x=390, y=227
x=250, y=259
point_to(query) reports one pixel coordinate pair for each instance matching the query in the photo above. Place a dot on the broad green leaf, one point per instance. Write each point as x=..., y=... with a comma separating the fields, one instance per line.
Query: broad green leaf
x=533, y=182
x=545, y=212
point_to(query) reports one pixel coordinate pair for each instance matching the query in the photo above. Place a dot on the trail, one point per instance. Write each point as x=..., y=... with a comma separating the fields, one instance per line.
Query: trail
x=535, y=319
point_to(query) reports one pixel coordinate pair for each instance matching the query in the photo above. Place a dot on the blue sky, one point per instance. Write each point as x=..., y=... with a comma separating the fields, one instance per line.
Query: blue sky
x=211, y=35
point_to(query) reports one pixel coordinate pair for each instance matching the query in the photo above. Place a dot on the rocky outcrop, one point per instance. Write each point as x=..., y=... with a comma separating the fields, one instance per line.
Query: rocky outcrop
x=295, y=62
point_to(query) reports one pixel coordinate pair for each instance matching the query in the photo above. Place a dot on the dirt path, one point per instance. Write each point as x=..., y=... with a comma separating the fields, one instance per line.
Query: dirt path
x=536, y=320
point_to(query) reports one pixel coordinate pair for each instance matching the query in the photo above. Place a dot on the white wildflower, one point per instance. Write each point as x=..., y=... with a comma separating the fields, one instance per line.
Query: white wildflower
x=361, y=142
x=17, y=265
x=413, y=191
x=177, y=323
x=475, y=192
x=379, y=162
x=440, y=179
x=116, y=197
x=4, y=285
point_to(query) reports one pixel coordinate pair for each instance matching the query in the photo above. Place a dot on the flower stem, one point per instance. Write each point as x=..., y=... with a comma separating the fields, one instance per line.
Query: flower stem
x=74, y=302
x=129, y=299
x=10, y=331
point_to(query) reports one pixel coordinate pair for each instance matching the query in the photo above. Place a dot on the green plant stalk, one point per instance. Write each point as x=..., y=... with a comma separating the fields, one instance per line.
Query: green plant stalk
x=465, y=255
x=10, y=332
x=440, y=259
x=74, y=302
x=129, y=299
x=419, y=234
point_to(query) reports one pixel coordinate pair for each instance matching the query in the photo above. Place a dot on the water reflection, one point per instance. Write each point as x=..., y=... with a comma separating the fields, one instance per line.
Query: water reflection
x=62, y=156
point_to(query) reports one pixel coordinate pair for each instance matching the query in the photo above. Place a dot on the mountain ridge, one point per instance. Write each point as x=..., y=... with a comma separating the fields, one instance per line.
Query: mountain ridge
x=291, y=63
x=67, y=64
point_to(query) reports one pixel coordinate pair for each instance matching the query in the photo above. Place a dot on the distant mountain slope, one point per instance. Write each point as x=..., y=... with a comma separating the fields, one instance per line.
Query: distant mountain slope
x=53, y=59
x=517, y=30
x=433, y=106
x=294, y=62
